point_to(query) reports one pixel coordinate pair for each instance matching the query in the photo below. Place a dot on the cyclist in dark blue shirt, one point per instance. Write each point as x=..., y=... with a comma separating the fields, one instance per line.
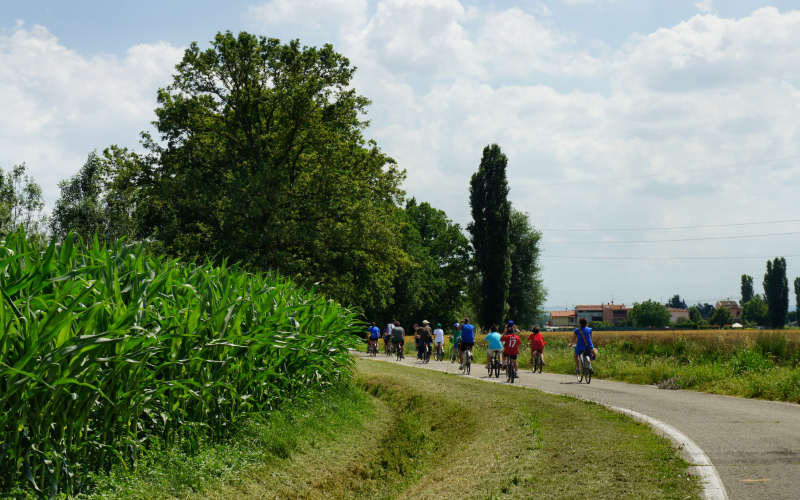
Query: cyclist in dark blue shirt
x=374, y=335
x=467, y=340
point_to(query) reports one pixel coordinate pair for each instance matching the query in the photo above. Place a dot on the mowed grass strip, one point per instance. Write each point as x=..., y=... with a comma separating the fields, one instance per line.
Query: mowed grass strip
x=408, y=433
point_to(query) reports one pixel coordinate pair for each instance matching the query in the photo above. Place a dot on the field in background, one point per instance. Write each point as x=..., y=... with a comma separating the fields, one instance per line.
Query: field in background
x=750, y=363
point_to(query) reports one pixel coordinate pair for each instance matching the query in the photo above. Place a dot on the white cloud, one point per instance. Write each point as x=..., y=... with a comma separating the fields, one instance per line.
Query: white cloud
x=59, y=105
x=705, y=6
x=690, y=124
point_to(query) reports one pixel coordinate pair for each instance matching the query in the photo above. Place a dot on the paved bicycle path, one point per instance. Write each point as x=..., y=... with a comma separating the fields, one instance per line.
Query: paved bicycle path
x=754, y=444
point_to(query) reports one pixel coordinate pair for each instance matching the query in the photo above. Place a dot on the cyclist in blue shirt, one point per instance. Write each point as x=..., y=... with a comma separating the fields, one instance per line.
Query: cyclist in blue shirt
x=495, y=345
x=374, y=335
x=582, y=340
x=467, y=341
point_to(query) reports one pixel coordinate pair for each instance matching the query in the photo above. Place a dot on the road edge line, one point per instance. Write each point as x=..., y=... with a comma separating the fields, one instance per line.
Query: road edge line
x=699, y=463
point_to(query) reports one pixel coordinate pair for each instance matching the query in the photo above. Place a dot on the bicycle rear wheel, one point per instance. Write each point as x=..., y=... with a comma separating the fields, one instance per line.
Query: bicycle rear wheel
x=467, y=362
x=587, y=370
x=579, y=370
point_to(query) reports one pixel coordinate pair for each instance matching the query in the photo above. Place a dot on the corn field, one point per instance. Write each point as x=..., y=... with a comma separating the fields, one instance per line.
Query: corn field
x=108, y=350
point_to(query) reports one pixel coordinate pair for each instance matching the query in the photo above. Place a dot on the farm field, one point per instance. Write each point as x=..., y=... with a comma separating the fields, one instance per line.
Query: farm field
x=108, y=354
x=749, y=363
x=408, y=433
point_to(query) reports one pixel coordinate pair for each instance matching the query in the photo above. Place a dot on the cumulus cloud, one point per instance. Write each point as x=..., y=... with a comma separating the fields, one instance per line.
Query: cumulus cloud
x=692, y=123
x=59, y=105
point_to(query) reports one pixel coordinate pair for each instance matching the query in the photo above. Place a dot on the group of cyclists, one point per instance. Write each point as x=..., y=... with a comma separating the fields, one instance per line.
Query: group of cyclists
x=462, y=337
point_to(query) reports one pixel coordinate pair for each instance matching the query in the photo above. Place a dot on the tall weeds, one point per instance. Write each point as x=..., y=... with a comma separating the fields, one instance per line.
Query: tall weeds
x=105, y=351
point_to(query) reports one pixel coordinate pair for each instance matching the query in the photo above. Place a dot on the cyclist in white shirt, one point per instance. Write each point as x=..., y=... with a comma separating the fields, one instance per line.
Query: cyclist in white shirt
x=438, y=338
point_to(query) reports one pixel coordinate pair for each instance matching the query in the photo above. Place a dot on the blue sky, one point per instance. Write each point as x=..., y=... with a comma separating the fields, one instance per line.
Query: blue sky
x=615, y=114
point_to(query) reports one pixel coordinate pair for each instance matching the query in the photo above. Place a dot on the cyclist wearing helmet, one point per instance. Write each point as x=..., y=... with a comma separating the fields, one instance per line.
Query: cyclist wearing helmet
x=374, y=335
x=455, y=340
x=467, y=341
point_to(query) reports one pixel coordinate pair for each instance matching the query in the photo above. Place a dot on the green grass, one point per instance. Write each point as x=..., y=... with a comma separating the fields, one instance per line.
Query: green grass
x=106, y=352
x=407, y=433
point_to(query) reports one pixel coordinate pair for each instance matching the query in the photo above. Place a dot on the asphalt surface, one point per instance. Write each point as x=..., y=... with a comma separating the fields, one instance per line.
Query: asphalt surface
x=754, y=444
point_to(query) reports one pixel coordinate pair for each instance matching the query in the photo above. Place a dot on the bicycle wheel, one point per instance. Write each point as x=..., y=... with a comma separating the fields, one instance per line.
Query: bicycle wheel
x=579, y=370
x=587, y=369
x=467, y=362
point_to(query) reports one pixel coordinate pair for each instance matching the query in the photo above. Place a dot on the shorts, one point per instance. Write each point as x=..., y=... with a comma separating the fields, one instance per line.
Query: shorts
x=465, y=346
x=510, y=356
x=490, y=352
x=398, y=341
x=579, y=351
x=537, y=350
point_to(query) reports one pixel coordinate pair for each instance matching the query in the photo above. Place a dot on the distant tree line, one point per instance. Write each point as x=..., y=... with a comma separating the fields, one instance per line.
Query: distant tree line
x=259, y=157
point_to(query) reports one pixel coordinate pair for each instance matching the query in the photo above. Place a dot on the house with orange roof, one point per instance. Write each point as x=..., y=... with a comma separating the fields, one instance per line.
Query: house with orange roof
x=562, y=318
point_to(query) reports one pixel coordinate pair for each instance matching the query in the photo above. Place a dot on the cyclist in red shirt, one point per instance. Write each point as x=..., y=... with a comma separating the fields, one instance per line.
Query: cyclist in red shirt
x=537, y=344
x=511, y=342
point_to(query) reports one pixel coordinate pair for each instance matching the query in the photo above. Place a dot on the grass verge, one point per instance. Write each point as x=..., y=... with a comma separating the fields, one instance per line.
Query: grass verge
x=406, y=433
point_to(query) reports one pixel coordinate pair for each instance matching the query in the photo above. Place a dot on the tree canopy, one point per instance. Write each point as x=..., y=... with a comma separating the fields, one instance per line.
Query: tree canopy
x=526, y=293
x=676, y=302
x=649, y=314
x=776, y=292
x=489, y=229
x=755, y=310
x=747, y=289
x=261, y=160
x=20, y=200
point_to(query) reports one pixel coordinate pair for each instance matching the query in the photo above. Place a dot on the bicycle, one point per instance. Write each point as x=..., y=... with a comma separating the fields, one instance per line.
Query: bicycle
x=584, y=371
x=511, y=373
x=372, y=349
x=439, y=356
x=426, y=352
x=536, y=361
x=494, y=365
x=399, y=352
x=454, y=353
x=467, y=362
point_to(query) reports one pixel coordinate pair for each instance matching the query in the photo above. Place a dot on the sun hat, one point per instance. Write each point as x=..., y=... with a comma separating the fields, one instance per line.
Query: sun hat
x=426, y=322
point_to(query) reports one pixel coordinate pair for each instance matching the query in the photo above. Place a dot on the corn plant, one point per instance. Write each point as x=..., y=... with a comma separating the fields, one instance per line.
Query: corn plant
x=108, y=350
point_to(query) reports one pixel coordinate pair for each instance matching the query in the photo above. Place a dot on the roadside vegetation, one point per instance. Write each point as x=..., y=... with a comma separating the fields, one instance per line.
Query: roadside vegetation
x=107, y=352
x=405, y=433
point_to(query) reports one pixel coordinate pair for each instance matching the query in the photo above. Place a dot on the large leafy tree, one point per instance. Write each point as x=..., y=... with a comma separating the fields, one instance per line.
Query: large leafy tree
x=755, y=310
x=489, y=229
x=20, y=201
x=721, y=316
x=747, y=289
x=649, y=314
x=262, y=160
x=776, y=292
x=101, y=198
x=526, y=294
x=433, y=283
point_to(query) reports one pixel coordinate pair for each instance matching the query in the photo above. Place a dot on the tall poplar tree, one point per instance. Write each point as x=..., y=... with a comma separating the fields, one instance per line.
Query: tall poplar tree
x=747, y=288
x=776, y=292
x=797, y=296
x=489, y=230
